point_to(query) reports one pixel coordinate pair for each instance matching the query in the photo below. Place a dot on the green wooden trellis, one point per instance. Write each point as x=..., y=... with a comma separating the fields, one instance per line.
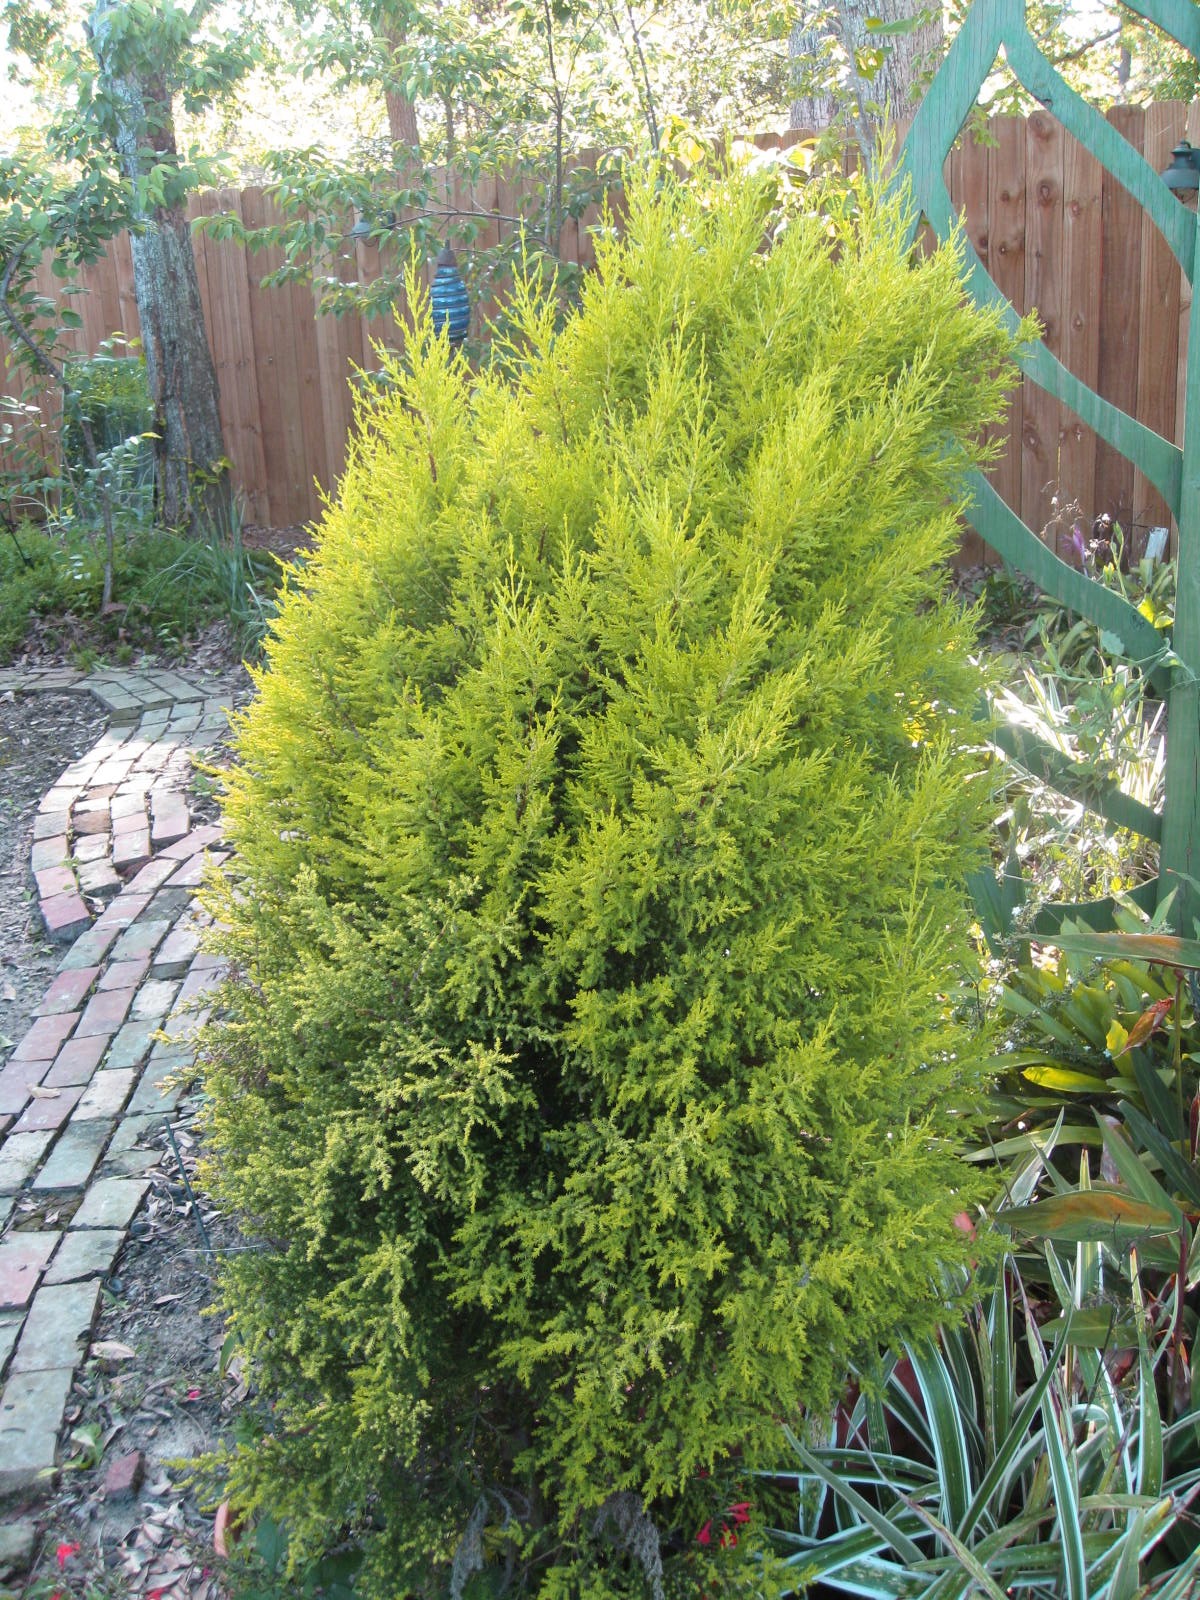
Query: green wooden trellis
x=992, y=25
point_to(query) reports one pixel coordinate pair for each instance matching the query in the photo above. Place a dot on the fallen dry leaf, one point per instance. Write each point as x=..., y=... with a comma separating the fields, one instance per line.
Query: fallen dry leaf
x=112, y=1350
x=40, y=1092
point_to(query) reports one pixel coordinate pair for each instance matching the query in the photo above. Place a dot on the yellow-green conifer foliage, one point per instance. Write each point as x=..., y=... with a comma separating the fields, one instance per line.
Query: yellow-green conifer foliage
x=601, y=823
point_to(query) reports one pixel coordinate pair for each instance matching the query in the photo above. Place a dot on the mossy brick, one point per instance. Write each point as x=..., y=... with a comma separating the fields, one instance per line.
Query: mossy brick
x=64, y=917
x=57, y=1325
x=110, y=1203
x=49, y=1110
x=77, y=1060
x=18, y=1540
x=162, y=1086
x=123, y=912
x=89, y=1253
x=31, y=1415
x=105, y=1011
x=67, y=991
x=56, y=801
x=105, y=1095
x=134, y=1131
x=52, y=852
x=124, y=974
x=42, y=1040
x=73, y=1159
x=154, y=999
x=23, y=1257
x=97, y=878
x=169, y=904
x=141, y=940
x=175, y=954
x=10, y=1328
x=51, y=824
x=131, y=1046
x=90, y=948
x=91, y=847
x=20, y=1155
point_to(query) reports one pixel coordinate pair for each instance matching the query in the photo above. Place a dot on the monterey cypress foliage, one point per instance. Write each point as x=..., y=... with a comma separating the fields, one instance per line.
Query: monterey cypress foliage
x=588, y=1083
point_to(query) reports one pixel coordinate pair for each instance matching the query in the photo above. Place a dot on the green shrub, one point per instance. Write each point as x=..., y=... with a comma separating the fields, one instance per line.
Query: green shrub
x=601, y=823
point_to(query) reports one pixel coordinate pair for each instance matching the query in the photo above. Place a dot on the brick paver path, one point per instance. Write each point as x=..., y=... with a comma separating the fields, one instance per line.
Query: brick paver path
x=116, y=861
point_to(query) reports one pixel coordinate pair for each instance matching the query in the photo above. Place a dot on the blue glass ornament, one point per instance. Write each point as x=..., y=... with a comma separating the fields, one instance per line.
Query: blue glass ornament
x=448, y=303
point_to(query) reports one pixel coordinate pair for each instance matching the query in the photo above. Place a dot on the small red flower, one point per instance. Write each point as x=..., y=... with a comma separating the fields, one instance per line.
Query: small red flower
x=64, y=1553
x=705, y=1534
x=192, y=1394
x=740, y=1512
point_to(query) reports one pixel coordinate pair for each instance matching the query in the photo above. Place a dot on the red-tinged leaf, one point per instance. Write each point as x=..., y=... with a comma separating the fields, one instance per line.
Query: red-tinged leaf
x=1147, y=1023
x=1090, y=1216
x=1161, y=949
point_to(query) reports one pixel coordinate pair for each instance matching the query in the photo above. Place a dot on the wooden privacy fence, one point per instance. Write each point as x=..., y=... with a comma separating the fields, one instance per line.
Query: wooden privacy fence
x=1057, y=233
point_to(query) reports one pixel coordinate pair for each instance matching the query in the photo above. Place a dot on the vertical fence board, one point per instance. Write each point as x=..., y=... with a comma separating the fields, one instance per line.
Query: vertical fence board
x=1005, y=260
x=231, y=335
x=1043, y=294
x=1158, y=323
x=970, y=168
x=1082, y=197
x=1119, y=275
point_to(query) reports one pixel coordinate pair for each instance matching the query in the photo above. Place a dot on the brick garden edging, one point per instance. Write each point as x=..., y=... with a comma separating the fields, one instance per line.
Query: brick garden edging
x=105, y=1057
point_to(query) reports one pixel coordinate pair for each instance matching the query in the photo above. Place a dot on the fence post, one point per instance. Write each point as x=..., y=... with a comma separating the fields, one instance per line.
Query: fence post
x=1180, y=859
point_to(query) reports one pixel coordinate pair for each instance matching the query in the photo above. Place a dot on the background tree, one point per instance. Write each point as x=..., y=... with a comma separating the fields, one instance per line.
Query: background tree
x=116, y=118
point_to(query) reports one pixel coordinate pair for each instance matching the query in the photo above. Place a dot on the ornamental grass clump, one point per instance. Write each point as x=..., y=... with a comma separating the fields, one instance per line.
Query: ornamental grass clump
x=589, y=1084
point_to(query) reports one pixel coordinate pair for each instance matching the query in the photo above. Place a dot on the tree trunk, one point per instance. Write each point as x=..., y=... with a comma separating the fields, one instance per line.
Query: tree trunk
x=401, y=111
x=194, y=491
x=898, y=84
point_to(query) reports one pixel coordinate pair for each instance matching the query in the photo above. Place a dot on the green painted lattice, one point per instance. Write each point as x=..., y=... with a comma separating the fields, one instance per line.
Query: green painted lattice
x=992, y=26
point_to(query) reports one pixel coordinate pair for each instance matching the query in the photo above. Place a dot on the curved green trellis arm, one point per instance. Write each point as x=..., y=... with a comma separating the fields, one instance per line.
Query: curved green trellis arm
x=989, y=26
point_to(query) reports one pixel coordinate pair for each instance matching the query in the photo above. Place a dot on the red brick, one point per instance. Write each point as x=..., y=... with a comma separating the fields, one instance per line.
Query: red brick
x=23, y=1257
x=43, y=1039
x=198, y=839
x=132, y=822
x=124, y=974
x=16, y=1080
x=68, y=991
x=191, y=873
x=105, y=1011
x=124, y=1477
x=131, y=850
x=153, y=875
x=126, y=908
x=48, y=1113
x=55, y=880
x=65, y=916
x=90, y=821
x=77, y=1060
